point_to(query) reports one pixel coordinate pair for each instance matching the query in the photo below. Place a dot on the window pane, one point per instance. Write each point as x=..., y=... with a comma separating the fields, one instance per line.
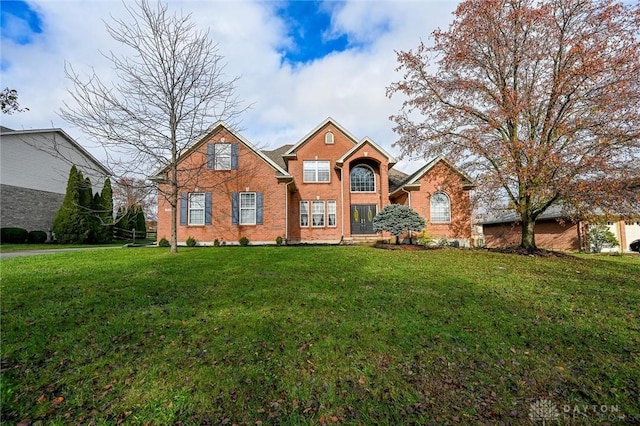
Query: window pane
x=223, y=156
x=247, y=208
x=331, y=213
x=304, y=213
x=196, y=209
x=316, y=171
x=323, y=171
x=440, y=208
x=362, y=179
x=317, y=217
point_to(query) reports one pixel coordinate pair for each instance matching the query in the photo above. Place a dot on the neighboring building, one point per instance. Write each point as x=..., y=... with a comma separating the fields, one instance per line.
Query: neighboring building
x=326, y=188
x=555, y=231
x=34, y=169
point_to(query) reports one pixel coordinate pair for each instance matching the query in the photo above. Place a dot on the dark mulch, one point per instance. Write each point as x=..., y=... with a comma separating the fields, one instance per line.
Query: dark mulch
x=529, y=252
x=403, y=247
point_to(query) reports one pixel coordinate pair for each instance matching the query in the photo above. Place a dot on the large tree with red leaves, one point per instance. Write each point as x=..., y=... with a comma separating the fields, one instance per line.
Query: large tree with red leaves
x=538, y=100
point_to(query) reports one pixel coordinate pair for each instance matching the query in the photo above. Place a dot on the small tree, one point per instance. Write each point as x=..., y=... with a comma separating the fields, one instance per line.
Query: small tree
x=398, y=219
x=599, y=236
x=106, y=212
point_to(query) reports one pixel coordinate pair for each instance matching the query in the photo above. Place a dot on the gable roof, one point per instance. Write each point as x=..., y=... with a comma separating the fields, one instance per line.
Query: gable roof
x=10, y=132
x=363, y=142
x=291, y=153
x=413, y=179
x=280, y=171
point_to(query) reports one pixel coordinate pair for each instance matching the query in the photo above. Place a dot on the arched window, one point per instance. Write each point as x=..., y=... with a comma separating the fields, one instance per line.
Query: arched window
x=440, y=207
x=328, y=138
x=363, y=179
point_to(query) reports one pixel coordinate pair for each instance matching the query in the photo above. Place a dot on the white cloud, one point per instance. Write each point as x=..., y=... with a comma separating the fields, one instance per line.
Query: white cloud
x=287, y=101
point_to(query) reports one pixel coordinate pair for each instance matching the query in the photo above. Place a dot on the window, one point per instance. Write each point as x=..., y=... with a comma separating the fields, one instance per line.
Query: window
x=440, y=207
x=317, y=216
x=316, y=171
x=363, y=179
x=222, y=156
x=304, y=213
x=196, y=208
x=328, y=138
x=247, y=208
x=331, y=213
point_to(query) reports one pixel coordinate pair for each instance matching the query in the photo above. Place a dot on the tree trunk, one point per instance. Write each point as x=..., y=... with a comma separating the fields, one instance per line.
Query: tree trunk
x=528, y=240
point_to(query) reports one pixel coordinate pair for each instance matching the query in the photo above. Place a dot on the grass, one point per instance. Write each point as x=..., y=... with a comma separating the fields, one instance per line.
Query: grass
x=317, y=335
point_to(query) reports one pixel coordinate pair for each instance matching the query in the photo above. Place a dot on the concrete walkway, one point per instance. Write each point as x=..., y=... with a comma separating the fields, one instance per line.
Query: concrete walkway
x=23, y=253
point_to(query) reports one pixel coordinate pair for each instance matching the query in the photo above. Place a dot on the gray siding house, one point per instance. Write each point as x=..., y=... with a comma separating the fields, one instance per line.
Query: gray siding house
x=34, y=168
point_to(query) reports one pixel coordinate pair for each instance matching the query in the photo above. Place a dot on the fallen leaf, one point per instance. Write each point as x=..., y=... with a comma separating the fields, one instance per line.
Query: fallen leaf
x=559, y=368
x=57, y=401
x=362, y=380
x=25, y=422
x=42, y=399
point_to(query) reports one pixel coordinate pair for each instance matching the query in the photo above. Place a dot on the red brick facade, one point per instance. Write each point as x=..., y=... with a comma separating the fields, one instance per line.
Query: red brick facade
x=324, y=189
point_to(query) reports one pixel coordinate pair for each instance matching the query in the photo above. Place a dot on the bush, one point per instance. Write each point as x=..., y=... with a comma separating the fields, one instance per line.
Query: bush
x=425, y=240
x=599, y=236
x=37, y=237
x=13, y=235
x=244, y=241
x=191, y=242
x=164, y=243
x=278, y=240
x=216, y=243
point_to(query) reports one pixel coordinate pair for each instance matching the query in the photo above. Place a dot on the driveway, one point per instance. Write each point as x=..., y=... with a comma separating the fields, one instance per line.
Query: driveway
x=22, y=253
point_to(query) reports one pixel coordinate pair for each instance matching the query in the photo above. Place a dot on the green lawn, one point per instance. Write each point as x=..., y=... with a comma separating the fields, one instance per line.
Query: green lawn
x=7, y=248
x=317, y=335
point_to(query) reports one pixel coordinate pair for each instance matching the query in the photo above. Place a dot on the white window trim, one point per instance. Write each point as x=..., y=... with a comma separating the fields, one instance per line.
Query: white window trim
x=254, y=208
x=324, y=214
x=329, y=138
x=307, y=213
x=375, y=181
x=317, y=162
x=431, y=207
x=218, y=156
x=335, y=213
x=190, y=209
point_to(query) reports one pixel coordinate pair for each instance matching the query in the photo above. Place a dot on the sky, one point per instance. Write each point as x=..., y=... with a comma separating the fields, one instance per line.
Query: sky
x=299, y=62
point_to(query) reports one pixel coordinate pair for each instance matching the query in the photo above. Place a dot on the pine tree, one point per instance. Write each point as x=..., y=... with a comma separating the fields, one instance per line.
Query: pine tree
x=106, y=212
x=68, y=223
x=141, y=222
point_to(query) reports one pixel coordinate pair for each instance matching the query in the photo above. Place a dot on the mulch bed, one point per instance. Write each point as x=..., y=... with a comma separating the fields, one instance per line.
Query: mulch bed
x=505, y=250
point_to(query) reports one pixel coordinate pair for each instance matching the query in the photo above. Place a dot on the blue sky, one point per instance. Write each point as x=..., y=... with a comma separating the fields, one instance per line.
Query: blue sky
x=298, y=61
x=309, y=25
x=19, y=22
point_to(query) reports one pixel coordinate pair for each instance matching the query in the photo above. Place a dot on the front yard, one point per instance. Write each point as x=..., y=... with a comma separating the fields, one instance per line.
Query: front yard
x=319, y=335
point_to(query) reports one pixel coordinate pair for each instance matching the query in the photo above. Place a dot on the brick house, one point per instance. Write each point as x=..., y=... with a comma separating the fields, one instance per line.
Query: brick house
x=326, y=188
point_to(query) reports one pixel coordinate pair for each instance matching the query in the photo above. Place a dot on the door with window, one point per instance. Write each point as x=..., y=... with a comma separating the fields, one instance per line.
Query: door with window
x=362, y=218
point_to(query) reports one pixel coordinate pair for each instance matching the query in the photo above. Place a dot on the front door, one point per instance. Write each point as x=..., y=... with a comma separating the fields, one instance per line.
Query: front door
x=362, y=218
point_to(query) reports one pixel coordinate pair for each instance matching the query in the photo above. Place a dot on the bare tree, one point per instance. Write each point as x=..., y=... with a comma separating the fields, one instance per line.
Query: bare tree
x=167, y=92
x=537, y=99
x=129, y=192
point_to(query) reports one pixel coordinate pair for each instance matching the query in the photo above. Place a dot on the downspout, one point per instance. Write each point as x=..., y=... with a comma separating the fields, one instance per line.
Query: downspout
x=341, y=203
x=409, y=200
x=286, y=211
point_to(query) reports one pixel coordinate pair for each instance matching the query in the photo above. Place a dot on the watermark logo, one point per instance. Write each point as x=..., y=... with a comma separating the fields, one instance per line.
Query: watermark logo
x=543, y=410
